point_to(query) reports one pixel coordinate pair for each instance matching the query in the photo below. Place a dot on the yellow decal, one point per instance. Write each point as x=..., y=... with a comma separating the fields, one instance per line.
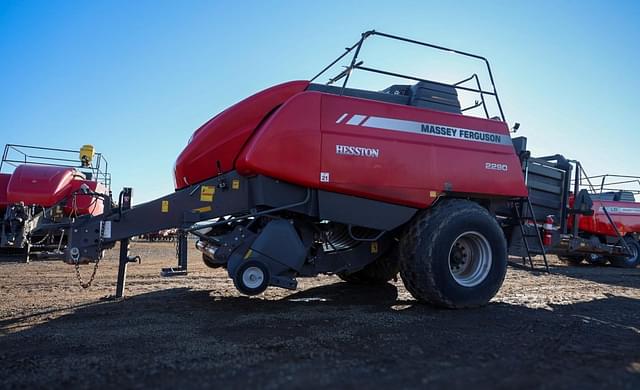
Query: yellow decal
x=374, y=247
x=248, y=254
x=202, y=209
x=206, y=193
x=433, y=194
x=235, y=184
x=165, y=206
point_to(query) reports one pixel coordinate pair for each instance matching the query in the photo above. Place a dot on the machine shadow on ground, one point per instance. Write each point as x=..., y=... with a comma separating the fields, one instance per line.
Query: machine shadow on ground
x=335, y=335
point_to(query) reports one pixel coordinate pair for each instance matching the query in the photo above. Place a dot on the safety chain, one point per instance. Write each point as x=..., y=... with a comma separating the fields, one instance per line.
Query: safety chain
x=95, y=267
x=177, y=244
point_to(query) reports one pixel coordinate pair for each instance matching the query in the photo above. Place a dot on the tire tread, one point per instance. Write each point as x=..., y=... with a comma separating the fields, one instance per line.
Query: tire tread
x=418, y=274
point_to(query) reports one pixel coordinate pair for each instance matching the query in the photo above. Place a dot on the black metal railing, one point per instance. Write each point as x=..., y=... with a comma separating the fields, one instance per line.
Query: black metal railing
x=358, y=65
x=615, y=183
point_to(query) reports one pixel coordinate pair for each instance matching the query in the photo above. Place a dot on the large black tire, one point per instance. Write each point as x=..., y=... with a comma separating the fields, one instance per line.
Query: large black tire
x=381, y=271
x=628, y=262
x=440, y=241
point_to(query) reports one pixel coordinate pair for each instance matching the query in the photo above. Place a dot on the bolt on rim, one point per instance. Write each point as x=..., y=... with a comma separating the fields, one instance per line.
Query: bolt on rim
x=253, y=277
x=470, y=259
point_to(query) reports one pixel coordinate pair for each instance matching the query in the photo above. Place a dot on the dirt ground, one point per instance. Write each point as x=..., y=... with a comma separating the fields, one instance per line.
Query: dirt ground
x=576, y=328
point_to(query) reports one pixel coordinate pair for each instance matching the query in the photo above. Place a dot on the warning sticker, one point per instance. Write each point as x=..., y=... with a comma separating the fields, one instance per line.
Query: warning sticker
x=206, y=193
x=165, y=206
x=374, y=247
x=235, y=184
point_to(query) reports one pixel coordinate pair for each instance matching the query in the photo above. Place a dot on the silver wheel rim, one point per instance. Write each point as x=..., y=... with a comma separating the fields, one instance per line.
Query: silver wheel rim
x=252, y=277
x=470, y=259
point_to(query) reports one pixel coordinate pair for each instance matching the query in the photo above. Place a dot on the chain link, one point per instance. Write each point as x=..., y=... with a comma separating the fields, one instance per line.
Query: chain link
x=95, y=267
x=177, y=244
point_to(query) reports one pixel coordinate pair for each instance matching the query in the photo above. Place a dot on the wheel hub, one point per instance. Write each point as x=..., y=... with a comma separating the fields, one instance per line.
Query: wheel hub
x=470, y=259
x=253, y=277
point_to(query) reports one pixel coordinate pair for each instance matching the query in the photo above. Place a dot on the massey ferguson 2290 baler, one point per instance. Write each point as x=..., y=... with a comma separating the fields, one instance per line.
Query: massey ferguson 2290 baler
x=306, y=178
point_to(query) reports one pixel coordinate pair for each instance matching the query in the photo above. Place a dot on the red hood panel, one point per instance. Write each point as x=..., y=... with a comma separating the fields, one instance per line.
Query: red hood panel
x=40, y=185
x=216, y=144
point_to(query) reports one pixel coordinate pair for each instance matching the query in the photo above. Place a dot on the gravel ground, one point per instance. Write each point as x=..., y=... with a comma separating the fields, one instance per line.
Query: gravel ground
x=576, y=328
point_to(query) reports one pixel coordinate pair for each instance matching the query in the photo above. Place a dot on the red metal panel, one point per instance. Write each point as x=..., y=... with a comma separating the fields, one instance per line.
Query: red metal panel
x=39, y=185
x=287, y=146
x=410, y=165
x=85, y=204
x=221, y=138
x=4, y=183
x=626, y=216
x=46, y=186
x=299, y=143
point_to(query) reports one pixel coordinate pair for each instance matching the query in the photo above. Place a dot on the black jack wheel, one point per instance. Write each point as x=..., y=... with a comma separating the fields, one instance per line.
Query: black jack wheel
x=252, y=278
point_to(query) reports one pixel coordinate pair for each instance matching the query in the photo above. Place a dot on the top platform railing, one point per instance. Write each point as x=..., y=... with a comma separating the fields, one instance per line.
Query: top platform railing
x=15, y=155
x=616, y=183
x=358, y=65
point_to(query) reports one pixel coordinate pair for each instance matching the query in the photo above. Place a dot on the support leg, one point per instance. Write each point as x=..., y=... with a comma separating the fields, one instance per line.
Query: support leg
x=181, y=254
x=122, y=267
x=182, y=250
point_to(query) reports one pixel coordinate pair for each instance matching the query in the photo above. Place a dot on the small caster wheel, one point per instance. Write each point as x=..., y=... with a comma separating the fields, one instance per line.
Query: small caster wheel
x=252, y=278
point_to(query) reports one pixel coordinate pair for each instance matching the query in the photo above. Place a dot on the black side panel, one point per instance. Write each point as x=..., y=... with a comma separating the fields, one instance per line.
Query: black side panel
x=583, y=203
x=423, y=94
x=435, y=96
x=280, y=242
x=520, y=145
x=618, y=196
x=271, y=193
x=398, y=89
x=625, y=196
x=548, y=182
x=362, y=212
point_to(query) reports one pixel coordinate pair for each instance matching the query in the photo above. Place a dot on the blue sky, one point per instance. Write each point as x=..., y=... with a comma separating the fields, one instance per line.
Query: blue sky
x=136, y=78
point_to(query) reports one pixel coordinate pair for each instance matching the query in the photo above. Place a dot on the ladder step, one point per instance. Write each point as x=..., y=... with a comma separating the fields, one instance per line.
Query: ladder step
x=525, y=213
